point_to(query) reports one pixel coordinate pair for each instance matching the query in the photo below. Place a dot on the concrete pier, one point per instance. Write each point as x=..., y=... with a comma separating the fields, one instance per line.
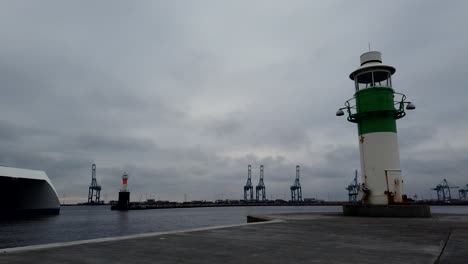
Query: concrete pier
x=290, y=238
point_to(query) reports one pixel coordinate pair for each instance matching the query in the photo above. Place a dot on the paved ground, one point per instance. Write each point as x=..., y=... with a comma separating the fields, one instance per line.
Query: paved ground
x=300, y=238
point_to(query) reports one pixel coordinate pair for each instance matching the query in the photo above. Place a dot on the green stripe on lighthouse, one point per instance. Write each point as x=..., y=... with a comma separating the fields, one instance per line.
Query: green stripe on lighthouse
x=377, y=124
x=375, y=110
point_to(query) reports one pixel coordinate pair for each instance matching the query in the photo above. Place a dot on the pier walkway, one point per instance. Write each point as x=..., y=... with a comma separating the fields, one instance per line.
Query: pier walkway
x=291, y=238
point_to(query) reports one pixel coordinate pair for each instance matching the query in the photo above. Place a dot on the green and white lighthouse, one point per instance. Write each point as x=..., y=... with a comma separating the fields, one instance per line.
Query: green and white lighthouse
x=375, y=108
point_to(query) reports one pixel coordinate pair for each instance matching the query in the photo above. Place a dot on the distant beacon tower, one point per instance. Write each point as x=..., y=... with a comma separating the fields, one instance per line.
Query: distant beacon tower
x=375, y=108
x=124, y=194
x=124, y=182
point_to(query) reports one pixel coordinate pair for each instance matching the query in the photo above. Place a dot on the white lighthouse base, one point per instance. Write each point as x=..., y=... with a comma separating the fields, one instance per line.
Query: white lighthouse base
x=380, y=166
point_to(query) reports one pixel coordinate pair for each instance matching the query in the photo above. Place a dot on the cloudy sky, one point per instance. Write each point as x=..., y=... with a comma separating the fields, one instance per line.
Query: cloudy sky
x=183, y=95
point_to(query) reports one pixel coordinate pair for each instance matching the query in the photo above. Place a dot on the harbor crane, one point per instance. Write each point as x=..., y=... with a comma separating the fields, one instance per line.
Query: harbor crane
x=443, y=191
x=94, y=193
x=353, y=189
x=296, y=190
x=260, y=188
x=248, y=187
x=463, y=193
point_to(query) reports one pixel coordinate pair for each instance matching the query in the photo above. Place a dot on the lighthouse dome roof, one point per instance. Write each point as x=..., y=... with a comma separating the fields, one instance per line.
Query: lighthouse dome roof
x=369, y=61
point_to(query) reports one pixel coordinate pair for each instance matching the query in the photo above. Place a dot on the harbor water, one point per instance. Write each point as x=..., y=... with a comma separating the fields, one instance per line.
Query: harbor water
x=88, y=222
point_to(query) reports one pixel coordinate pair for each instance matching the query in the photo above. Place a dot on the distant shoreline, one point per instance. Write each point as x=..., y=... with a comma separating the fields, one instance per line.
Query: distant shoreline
x=195, y=204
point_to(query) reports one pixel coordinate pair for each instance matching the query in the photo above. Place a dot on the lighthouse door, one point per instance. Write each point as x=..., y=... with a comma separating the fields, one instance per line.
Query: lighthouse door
x=394, y=185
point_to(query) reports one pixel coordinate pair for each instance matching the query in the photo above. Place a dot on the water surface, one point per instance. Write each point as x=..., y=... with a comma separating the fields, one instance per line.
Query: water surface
x=87, y=222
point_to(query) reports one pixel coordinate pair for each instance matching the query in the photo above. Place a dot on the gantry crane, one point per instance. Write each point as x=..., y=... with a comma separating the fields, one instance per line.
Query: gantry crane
x=248, y=187
x=353, y=189
x=296, y=190
x=443, y=191
x=94, y=193
x=260, y=188
x=463, y=193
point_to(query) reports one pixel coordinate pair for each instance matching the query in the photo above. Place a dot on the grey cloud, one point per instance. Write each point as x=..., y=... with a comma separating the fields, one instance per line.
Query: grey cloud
x=11, y=132
x=412, y=135
x=110, y=143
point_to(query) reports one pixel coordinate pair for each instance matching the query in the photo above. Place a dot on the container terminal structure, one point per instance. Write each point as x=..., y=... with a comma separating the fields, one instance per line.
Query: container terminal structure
x=248, y=187
x=94, y=191
x=260, y=189
x=296, y=189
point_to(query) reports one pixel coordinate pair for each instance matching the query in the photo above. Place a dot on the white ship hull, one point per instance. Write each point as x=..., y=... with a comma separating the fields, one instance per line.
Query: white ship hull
x=25, y=192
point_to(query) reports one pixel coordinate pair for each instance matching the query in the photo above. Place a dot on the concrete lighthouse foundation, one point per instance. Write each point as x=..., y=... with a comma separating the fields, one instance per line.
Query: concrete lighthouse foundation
x=404, y=210
x=375, y=108
x=124, y=201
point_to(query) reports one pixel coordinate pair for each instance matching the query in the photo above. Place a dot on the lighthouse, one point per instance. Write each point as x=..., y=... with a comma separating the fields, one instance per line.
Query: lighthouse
x=124, y=195
x=375, y=108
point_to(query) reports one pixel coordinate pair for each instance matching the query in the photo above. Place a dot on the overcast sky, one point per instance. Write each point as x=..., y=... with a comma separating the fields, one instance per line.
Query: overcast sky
x=183, y=95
